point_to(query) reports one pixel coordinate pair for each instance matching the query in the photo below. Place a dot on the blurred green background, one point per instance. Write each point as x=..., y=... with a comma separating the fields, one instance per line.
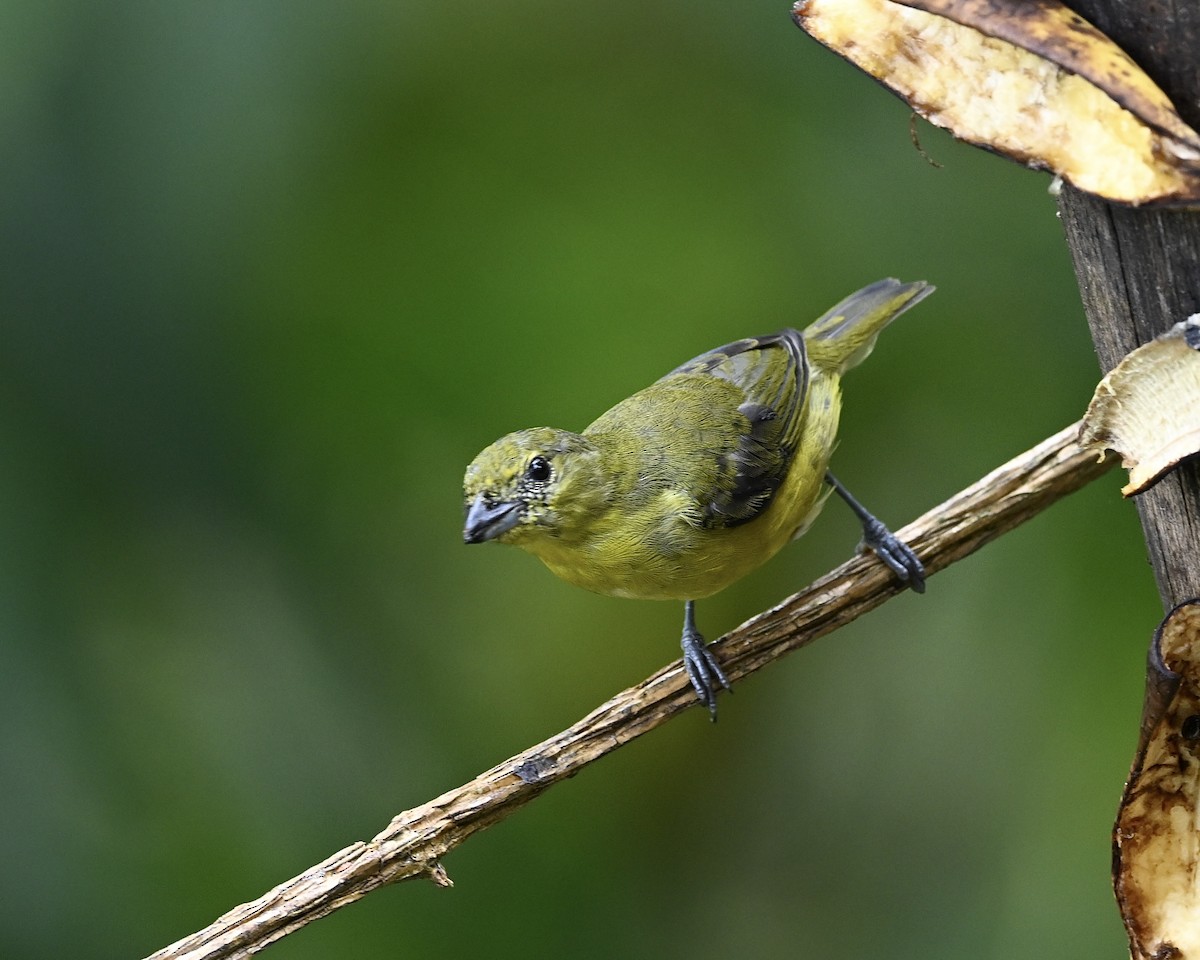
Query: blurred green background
x=274, y=272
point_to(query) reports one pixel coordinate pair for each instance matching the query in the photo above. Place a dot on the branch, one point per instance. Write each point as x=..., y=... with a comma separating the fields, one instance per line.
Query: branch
x=413, y=842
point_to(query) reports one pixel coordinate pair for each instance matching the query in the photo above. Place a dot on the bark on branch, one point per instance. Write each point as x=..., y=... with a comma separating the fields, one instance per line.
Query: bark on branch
x=413, y=843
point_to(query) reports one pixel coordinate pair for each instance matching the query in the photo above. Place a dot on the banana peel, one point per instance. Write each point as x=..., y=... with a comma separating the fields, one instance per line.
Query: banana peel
x=1028, y=79
x=1156, y=857
x=1147, y=408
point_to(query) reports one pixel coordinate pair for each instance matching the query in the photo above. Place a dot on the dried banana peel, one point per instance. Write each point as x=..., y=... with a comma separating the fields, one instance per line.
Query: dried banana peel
x=1147, y=408
x=1029, y=79
x=1156, y=848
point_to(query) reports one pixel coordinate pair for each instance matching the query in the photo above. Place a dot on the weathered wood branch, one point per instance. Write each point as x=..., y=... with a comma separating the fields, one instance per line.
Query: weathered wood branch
x=1139, y=269
x=1139, y=274
x=413, y=843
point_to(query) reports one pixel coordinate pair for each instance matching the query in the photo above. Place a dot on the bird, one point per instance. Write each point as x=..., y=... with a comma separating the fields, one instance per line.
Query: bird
x=690, y=484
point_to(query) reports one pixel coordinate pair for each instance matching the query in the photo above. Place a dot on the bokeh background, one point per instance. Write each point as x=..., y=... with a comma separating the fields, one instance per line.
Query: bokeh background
x=272, y=273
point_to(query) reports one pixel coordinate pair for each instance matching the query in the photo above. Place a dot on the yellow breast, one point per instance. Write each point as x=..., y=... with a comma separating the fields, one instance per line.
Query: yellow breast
x=656, y=548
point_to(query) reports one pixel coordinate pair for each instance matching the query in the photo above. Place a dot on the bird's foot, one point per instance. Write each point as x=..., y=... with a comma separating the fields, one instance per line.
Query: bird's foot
x=887, y=546
x=895, y=553
x=703, y=670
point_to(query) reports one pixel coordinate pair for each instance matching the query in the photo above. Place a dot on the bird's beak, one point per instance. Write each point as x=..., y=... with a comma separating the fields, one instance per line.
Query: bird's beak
x=487, y=521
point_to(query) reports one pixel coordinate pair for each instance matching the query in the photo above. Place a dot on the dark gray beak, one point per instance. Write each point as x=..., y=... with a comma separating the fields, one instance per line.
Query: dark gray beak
x=486, y=521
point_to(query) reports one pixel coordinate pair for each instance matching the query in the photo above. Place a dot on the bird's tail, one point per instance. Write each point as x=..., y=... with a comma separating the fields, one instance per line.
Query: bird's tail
x=845, y=335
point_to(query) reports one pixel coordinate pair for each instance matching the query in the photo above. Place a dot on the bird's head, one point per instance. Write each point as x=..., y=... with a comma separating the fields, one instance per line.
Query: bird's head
x=533, y=484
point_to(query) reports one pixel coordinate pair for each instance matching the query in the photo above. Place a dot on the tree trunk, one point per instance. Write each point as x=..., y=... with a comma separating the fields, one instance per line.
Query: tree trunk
x=1139, y=270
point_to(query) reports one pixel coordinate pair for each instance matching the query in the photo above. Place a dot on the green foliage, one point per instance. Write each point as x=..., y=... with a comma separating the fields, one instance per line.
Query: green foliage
x=273, y=273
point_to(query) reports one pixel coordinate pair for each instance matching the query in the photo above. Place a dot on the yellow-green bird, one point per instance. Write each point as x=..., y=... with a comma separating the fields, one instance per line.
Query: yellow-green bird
x=688, y=485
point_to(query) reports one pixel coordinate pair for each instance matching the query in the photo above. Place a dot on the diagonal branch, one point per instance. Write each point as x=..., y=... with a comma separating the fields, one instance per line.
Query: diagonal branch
x=413, y=842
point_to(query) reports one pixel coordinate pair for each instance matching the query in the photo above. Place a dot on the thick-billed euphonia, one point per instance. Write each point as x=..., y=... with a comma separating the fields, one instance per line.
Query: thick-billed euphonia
x=693, y=482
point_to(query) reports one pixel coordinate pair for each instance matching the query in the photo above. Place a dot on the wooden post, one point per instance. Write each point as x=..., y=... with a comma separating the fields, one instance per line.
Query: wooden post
x=1139, y=270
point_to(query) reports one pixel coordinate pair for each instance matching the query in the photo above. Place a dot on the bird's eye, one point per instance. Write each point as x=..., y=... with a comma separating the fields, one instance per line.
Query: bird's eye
x=538, y=470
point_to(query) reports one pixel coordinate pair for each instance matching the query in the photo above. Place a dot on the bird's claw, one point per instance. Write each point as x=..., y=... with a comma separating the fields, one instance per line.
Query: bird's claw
x=897, y=554
x=703, y=671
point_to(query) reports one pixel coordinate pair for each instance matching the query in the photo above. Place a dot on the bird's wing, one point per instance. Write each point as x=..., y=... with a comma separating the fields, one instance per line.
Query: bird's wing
x=771, y=373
